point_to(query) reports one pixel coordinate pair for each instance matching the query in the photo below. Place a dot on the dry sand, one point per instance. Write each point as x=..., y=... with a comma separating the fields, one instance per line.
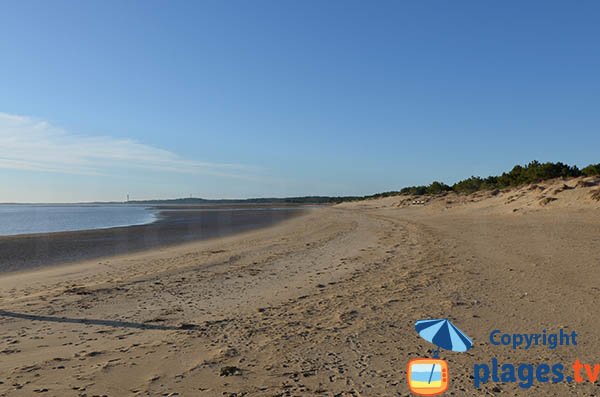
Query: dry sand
x=322, y=304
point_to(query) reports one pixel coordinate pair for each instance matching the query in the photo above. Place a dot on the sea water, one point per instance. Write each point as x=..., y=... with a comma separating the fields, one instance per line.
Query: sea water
x=35, y=218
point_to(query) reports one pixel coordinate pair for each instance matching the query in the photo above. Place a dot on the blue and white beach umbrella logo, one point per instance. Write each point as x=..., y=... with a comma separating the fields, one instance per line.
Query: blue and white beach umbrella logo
x=443, y=334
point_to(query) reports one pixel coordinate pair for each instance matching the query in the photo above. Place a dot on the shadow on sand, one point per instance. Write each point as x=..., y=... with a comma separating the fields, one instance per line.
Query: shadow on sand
x=90, y=321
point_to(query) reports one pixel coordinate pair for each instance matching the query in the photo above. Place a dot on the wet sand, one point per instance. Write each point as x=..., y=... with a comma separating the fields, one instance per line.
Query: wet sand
x=175, y=225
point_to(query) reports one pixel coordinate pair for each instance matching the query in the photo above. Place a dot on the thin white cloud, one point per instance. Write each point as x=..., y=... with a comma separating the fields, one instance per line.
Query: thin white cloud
x=35, y=145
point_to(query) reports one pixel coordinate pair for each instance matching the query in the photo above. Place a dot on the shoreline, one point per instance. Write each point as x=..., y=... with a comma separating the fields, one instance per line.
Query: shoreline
x=172, y=226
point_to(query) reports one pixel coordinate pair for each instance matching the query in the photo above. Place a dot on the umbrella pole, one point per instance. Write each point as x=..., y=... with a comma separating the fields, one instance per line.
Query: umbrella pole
x=436, y=354
x=431, y=374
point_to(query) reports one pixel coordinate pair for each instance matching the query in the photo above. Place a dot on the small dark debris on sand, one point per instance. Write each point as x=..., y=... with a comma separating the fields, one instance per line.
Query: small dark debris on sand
x=230, y=371
x=188, y=326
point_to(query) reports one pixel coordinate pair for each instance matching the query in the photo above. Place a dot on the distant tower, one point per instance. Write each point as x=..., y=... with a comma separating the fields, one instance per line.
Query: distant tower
x=128, y=198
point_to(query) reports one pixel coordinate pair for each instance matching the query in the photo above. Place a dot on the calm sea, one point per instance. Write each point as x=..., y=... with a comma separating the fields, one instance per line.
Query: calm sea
x=26, y=219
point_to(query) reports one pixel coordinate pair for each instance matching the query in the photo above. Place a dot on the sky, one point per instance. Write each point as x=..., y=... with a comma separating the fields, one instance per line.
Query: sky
x=234, y=99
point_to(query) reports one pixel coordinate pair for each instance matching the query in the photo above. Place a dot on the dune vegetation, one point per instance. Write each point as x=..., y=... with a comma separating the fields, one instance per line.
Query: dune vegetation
x=533, y=172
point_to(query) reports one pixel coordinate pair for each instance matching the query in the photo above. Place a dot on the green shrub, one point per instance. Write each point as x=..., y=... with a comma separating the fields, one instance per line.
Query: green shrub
x=591, y=170
x=437, y=188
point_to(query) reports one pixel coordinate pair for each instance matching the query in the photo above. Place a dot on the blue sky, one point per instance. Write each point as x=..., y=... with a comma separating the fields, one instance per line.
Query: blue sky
x=281, y=98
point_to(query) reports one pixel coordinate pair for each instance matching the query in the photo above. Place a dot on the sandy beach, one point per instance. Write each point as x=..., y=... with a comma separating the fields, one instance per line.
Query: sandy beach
x=320, y=304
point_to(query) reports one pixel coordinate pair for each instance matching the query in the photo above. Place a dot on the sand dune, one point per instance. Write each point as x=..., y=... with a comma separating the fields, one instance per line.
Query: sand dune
x=322, y=304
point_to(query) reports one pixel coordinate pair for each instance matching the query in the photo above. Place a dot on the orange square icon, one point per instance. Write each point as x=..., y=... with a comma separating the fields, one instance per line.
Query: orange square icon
x=427, y=376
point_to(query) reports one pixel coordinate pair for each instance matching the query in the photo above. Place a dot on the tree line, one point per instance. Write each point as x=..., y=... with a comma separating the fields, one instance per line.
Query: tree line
x=519, y=175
